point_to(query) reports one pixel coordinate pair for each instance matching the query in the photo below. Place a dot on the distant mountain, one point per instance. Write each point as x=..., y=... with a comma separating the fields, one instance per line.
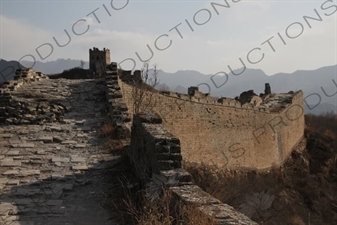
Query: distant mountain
x=7, y=69
x=180, y=89
x=319, y=86
x=55, y=67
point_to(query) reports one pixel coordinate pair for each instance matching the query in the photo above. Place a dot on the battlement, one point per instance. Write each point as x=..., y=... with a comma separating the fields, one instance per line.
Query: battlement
x=272, y=103
x=94, y=49
x=99, y=60
x=129, y=77
x=250, y=131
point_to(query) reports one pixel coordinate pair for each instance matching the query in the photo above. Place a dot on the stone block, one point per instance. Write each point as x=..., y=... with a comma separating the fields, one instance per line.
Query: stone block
x=45, y=139
x=176, y=157
x=192, y=194
x=69, y=142
x=225, y=214
x=59, y=159
x=13, y=153
x=11, y=172
x=10, y=163
x=23, y=145
x=78, y=159
x=179, y=174
x=79, y=167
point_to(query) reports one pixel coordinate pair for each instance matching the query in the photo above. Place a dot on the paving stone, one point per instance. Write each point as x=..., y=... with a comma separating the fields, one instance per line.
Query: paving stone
x=80, y=146
x=9, y=135
x=29, y=172
x=18, y=158
x=22, y=192
x=54, y=202
x=24, y=145
x=58, y=139
x=10, y=220
x=79, y=167
x=11, y=172
x=78, y=159
x=10, y=164
x=41, y=152
x=23, y=201
x=46, y=139
x=68, y=187
x=69, y=142
x=54, y=176
x=13, y=182
x=3, y=180
x=55, y=128
x=58, y=159
x=13, y=152
x=5, y=208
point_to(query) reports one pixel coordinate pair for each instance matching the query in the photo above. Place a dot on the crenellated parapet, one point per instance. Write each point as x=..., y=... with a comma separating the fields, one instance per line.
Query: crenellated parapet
x=251, y=132
x=274, y=103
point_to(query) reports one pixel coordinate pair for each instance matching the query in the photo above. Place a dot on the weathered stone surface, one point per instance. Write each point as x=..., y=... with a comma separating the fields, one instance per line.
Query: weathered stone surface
x=58, y=159
x=154, y=149
x=191, y=194
x=11, y=172
x=24, y=145
x=10, y=163
x=38, y=173
x=69, y=142
x=46, y=139
x=13, y=153
x=225, y=215
x=79, y=167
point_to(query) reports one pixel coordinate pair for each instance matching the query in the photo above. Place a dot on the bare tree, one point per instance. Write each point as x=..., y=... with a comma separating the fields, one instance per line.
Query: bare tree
x=143, y=88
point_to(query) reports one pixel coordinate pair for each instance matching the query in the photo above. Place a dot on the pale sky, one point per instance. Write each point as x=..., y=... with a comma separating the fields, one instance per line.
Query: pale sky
x=224, y=34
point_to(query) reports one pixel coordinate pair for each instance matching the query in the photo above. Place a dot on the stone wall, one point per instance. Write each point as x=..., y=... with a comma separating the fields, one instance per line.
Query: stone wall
x=155, y=154
x=224, y=133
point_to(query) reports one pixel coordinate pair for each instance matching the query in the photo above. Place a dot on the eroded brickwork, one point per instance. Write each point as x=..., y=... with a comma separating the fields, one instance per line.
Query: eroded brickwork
x=226, y=133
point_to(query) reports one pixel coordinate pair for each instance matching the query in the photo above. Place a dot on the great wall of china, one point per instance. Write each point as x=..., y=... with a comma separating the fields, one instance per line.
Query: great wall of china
x=48, y=127
x=226, y=133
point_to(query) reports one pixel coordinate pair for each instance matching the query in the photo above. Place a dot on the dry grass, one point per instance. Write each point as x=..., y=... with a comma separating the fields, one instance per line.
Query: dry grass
x=134, y=208
x=112, y=141
x=108, y=130
x=129, y=202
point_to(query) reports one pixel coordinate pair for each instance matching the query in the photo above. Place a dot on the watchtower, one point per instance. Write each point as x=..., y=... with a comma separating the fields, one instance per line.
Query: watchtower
x=98, y=60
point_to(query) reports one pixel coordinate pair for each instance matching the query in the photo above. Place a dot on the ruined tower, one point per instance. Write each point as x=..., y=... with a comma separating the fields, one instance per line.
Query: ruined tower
x=98, y=60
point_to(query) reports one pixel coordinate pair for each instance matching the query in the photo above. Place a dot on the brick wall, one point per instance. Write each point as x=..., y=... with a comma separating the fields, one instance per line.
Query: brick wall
x=225, y=133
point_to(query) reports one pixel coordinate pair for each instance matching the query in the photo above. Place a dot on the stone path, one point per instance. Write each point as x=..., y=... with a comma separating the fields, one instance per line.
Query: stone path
x=56, y=173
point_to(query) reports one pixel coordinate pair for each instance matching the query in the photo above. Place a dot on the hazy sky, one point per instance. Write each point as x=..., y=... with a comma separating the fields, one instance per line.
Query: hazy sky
x=221, y=35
